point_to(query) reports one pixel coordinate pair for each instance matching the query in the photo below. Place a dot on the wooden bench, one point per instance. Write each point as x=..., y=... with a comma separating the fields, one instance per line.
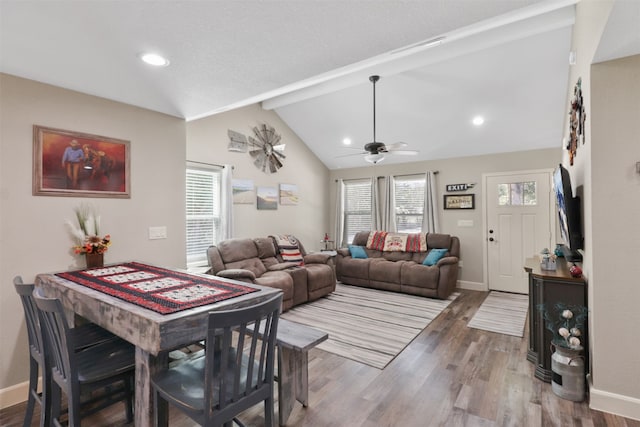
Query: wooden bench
x=294, y=340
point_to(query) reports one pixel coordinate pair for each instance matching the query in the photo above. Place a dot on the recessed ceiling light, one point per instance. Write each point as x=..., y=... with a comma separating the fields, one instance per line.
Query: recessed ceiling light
x=346, y=141
x=154, y=59
x=478, y=120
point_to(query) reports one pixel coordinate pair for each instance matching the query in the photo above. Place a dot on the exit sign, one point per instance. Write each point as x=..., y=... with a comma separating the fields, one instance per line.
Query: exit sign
x=458, y=187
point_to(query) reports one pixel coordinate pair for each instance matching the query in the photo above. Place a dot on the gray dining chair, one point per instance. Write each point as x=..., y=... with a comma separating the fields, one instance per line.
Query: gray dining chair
x=235, y=373
x=85, y=336
x=108, y=367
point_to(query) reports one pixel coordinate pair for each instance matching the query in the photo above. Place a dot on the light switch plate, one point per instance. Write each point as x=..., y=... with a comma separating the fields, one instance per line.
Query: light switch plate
x=465, y=223
x=157, y=233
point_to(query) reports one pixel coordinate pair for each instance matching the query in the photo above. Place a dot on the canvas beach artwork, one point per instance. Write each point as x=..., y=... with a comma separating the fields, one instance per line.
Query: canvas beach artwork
x=267, y=198
x=244, y=192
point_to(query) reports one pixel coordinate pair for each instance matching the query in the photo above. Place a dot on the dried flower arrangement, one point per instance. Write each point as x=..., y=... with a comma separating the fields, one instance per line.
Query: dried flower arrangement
x=86, y=232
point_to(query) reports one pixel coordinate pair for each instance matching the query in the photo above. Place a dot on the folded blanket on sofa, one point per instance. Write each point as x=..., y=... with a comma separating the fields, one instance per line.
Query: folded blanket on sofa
x=396, y=242
x=288, y=248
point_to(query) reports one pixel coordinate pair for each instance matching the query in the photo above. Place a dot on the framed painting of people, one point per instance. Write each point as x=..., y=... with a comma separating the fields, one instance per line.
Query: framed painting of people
x=67, y=163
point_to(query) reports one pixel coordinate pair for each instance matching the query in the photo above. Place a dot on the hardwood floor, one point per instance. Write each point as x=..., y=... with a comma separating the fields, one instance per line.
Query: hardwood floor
x=450, y=375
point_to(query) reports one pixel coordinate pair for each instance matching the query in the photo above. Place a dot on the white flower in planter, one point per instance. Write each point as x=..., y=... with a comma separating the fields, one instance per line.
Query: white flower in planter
x=564, y=332
x=567, y=314
x=574, y=342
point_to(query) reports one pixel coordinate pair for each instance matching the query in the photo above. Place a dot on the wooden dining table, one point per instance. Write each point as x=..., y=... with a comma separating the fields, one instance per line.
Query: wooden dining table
x=153, y=334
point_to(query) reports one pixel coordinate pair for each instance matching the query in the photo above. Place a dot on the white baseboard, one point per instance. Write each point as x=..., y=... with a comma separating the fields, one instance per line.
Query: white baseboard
x=625, y=406
x=472, y=286
x=15, y=394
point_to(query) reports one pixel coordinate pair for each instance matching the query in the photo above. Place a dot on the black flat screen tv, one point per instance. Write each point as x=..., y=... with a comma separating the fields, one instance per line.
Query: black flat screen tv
x=568, y=215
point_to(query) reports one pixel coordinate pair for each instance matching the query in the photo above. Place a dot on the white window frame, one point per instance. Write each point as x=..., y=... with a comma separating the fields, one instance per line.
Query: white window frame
x=352, y=185
x=196, y=250
x=400, y=193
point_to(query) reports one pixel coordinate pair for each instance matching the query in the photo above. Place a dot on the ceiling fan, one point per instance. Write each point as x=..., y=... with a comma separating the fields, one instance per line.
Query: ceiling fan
x=375, y=151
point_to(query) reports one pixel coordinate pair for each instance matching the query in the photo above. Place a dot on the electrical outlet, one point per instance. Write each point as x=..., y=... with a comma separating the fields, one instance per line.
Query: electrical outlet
x=157, y=233
x=465, y=223
x=460, y=263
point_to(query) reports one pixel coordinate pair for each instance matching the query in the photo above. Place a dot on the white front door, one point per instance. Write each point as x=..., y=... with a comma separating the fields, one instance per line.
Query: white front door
x=518, y=225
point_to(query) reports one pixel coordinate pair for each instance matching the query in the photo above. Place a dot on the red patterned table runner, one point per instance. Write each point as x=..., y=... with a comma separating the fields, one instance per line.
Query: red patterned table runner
x=158, y=289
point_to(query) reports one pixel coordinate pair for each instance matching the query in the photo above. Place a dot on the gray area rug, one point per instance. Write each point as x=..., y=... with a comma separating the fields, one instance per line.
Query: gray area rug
x=368, y=325
x=502, y=312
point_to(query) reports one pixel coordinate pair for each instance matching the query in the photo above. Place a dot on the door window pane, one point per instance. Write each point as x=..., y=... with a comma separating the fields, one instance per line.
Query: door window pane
x=518, y=194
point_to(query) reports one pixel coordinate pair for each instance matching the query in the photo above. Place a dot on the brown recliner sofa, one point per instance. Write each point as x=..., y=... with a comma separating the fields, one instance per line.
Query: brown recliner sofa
x=402, y=271
x=259, y=261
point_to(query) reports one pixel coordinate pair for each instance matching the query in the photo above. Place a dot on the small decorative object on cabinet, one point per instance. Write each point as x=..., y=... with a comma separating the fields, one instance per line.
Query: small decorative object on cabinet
x=547, y=260
x=547, y=288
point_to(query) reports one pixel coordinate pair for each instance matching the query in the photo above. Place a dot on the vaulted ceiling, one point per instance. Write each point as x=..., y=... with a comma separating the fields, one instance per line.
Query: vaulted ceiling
x=310, y=62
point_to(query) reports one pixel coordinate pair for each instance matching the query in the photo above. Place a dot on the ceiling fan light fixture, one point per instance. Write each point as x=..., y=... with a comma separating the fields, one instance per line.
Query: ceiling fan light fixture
x=374, y=158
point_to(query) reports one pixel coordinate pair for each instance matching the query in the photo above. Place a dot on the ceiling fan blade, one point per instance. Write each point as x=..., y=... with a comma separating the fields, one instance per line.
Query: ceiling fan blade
x=404, y=152
x=360, y=153
x=396, y=145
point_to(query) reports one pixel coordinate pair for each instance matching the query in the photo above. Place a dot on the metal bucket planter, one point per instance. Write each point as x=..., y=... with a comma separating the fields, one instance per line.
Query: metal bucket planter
x=568, y=380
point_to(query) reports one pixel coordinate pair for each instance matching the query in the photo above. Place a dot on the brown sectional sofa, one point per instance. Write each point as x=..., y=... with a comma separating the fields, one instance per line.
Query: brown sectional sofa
x=402, y=271
x=258, y=261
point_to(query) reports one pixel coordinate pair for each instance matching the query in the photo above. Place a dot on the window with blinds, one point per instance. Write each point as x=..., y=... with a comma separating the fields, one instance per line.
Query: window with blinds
x=357, y=207
x=203, y=212
x=409, y=203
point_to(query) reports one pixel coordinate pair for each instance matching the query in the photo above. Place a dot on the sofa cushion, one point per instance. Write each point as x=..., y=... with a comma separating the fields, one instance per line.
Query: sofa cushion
x=434, y=256
x=352, y=267
x=361, y=238
x=381, y=270
x=266, y=247
x=397, y=256
x=237, y=249
x=319, y=276
x=254, y=265
x=418, y=275
x=357, y=252
x=437, y=240
x=278, y=279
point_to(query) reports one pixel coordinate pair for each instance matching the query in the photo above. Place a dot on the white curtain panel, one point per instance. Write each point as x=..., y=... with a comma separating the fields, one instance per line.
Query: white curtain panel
x=430, y=221
x=226, y=204
x=389, y=205
x=376, y=218
x=339, y=214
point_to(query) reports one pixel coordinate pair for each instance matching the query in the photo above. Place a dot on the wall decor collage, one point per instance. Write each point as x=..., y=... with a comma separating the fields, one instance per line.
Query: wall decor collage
x=459, y=201
x=265, y=197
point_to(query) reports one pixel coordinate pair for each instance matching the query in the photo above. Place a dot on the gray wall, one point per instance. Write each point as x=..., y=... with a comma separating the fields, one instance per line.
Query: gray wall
x=615, y=232
x=457, y=171
x=33, y=238
x=207, y=142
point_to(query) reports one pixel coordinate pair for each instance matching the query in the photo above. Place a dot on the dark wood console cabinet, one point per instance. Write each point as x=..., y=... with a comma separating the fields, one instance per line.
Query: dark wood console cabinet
x=548, y=288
